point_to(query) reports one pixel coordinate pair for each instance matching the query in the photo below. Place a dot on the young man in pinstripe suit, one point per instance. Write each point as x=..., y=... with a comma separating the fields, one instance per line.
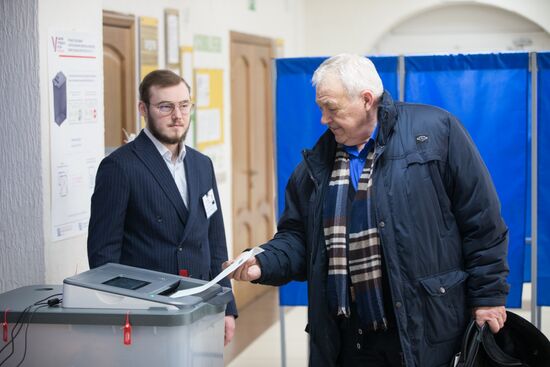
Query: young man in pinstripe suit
x=155, y=203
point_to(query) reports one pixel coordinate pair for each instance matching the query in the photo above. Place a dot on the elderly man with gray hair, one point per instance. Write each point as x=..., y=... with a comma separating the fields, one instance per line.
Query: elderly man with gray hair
x=394, y=221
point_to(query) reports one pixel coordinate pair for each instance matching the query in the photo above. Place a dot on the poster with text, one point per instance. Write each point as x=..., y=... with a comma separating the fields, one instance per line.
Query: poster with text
x=75, y=84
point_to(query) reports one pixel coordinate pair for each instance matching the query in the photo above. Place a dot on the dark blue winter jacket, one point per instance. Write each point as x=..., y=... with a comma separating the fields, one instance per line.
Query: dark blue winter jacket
x=443, y=238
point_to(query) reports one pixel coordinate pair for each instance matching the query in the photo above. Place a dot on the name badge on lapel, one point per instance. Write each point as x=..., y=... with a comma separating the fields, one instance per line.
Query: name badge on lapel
x=209, y=202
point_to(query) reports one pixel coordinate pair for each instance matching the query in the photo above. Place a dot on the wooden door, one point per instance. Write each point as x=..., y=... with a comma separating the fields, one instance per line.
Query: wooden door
x=119, y=78
x=252, y=142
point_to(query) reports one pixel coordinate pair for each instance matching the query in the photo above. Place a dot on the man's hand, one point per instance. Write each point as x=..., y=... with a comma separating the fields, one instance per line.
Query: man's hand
x=249, y=271
x=495, y=317
x=229, y=329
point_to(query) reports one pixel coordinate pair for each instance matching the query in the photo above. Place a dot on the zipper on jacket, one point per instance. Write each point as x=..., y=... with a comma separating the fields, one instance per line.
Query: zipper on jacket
x=379, y=150
x=314, y=236
x=309, y=170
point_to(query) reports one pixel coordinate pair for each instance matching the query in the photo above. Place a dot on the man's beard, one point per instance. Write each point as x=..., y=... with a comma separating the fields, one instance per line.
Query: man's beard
x=163, y=138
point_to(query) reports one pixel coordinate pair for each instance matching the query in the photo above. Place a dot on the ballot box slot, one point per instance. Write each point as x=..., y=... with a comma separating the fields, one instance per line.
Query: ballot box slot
x=171, y=289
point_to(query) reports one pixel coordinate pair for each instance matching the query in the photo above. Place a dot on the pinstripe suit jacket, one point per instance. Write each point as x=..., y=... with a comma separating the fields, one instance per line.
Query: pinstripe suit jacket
x=138, y=217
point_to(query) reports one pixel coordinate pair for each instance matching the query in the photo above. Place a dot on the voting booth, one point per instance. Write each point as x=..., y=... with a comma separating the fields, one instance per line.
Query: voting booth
x=114, y=315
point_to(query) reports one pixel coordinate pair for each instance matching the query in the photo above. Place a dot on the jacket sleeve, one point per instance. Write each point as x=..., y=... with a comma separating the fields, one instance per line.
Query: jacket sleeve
x=218, y=245
x=108, y=213
x=477, y=210
x=284, y=258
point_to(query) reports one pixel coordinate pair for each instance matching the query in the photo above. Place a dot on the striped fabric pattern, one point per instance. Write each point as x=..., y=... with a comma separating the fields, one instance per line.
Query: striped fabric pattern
x=353, y=244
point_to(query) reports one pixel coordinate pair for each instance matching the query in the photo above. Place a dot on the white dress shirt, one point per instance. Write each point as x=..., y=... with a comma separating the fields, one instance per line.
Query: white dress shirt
x=176, y=168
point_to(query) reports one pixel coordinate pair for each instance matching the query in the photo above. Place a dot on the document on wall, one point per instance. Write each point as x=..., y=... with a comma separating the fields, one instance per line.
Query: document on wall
x=231, y=268
x=75, y=81
x=209, y=125
x=203, y=90
x=172, y=37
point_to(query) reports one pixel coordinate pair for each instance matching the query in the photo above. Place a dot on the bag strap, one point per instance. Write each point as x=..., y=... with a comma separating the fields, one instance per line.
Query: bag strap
x=469, y=348
x=473, y=344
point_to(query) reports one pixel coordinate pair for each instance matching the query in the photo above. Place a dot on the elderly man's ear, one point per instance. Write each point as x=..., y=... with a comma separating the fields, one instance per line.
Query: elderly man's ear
x=368, y=99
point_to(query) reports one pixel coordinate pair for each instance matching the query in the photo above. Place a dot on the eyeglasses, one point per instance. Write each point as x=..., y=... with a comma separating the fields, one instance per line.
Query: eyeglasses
x=168, y=108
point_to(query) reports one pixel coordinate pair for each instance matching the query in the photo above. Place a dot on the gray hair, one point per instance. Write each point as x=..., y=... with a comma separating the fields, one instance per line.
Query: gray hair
x=357, y=73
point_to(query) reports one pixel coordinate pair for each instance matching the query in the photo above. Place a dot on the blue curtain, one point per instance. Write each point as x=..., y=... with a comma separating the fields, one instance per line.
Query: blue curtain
x=543, y=192
x=298, y=127
x=489, y=94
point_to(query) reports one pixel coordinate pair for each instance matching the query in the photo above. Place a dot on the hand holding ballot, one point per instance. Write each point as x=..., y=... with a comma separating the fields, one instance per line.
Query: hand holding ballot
x=249, y=270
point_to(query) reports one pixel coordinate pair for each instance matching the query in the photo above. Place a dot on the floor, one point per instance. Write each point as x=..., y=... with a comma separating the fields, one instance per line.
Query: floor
x=265, y=348
x=252, y=347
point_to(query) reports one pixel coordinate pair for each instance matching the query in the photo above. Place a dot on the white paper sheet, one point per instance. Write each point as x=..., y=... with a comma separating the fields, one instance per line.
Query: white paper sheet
x=203, y=89
x=209, y=125
x=238, y=262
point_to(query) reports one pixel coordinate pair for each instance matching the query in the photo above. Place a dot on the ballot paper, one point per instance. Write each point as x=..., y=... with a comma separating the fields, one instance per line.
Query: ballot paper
x=238, y=262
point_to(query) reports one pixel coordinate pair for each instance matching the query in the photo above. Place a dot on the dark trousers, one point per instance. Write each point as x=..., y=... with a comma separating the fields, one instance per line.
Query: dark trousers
x=360, y=347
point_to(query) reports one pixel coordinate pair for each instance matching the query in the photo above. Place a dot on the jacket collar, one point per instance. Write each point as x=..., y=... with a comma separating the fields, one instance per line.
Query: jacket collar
x=321, y=157
x=387, y=117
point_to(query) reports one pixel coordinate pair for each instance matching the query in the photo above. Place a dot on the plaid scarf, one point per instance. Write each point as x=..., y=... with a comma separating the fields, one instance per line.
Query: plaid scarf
x=359, y=249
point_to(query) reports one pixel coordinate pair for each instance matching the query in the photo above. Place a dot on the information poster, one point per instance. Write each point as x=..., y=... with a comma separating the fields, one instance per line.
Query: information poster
x=148, y=49
x=76, y=128
x=186, y=66
x=171, y=37
x=209, y=101
x=148, y=45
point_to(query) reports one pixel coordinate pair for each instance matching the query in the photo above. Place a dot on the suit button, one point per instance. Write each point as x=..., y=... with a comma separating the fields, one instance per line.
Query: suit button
x=180, y=248
x=382, y=224
x=442, y=290
x=159, y=219
x=398, y=304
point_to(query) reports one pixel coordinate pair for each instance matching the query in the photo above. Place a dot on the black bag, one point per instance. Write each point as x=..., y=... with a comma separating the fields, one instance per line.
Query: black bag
x=518, y=344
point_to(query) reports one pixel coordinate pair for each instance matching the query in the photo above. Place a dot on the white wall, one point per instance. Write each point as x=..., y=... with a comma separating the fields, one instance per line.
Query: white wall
x=358, y=26
x=21, y=232
x=463, y=28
